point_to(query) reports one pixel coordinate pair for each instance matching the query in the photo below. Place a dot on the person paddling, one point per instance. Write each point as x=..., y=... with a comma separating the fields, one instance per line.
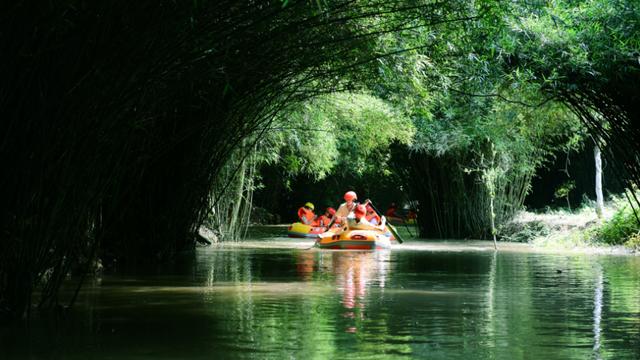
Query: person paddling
x=372, y=217
x=351, y=209
x=324, y=220
x=363, y=222
x=357, y=216
x=361, y=214
x=347, y=207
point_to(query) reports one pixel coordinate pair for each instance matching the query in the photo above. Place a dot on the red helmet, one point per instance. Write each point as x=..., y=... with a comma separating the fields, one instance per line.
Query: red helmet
x=360, y=211
x=331, y=210
x=350, y=196
x=370, y=208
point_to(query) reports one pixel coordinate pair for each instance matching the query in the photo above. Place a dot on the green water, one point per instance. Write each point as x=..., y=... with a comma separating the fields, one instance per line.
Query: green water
x=271, y=300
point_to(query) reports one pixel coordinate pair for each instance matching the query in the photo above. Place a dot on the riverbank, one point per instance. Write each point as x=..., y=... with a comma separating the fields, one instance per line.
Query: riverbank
x=580, y=230
x=554, y=231
x=274, y=237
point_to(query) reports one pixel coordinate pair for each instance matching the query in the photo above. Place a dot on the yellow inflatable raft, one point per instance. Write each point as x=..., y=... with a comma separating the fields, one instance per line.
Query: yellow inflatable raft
x=354, y=237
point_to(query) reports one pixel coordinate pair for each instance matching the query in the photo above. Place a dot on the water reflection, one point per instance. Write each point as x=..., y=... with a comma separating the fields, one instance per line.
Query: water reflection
x=292, y=303
x=490, y=303
x=597, y=312
x=305, y=264
x=354, y=273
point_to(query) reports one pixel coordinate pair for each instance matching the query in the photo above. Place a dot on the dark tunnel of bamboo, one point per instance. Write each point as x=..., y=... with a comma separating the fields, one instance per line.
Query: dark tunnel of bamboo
x=118, y=116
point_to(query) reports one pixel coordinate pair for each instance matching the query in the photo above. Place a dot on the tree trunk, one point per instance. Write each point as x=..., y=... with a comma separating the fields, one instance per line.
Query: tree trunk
x=599, y=198
x=237, y=201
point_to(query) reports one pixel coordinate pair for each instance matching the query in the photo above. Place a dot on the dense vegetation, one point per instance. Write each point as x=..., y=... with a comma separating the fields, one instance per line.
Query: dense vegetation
x=498, y=96
x=128, y=124
x=622, y=228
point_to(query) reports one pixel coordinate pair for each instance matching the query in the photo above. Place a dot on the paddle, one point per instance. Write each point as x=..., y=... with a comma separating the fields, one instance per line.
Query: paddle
x=391, y=227
x=328, y=228
x=333, y=220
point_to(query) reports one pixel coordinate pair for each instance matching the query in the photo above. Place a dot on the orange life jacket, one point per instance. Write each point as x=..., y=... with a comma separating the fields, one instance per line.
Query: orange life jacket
x=306, y=216
x=375, y=216
x=324, y=220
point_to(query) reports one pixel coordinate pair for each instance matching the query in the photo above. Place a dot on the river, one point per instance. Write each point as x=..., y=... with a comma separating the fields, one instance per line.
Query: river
x=275, y=298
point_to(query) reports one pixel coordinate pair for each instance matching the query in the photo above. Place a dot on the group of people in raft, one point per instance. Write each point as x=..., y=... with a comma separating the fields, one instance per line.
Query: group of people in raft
x=363, y=213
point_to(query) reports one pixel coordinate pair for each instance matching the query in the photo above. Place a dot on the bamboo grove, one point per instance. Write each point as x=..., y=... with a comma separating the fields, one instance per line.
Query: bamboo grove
x=118, y=117
x=126, y=125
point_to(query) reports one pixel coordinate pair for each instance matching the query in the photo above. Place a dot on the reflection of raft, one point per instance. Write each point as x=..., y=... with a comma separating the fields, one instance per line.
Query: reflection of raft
x=354, y=239
x=300, y=230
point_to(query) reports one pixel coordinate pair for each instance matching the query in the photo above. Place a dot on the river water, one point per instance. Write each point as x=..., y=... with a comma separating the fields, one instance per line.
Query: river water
x=275, y=298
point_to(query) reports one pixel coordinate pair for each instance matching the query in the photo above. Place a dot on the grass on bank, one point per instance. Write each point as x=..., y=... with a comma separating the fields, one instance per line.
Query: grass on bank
x=562, y=228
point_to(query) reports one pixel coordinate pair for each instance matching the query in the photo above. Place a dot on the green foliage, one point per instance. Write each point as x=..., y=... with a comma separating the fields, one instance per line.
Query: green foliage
x=338, y=133
x=120, y=117
x=586, y=55
x=622, y=227
x=501, y=78
x=115, y=151
x=563, y=191
x=633, y=242
x=496, y=129
x=592, y=38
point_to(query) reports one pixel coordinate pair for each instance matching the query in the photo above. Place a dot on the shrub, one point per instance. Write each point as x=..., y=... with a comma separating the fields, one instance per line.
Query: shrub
x=621, y=227
x=633, y=242
x=523, y=232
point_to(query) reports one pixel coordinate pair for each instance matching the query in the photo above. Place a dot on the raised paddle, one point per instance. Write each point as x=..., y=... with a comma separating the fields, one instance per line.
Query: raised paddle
x=391, y=227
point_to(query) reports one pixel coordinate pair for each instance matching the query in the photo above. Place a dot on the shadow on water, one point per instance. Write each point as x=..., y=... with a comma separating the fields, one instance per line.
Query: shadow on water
x=271, y=298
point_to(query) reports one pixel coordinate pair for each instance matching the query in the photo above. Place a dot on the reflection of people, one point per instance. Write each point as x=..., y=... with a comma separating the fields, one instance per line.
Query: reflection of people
x=304, y=265
x=354, y=271
x=306, y=214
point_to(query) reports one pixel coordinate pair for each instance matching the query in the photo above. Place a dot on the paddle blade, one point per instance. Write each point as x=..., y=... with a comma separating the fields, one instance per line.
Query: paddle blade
x=395, y=233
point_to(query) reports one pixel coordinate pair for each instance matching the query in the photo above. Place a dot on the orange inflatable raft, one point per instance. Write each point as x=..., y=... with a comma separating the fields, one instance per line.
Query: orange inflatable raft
x=354, y=237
